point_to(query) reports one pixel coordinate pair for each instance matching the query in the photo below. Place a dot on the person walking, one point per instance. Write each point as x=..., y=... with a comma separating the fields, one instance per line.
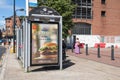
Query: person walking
x=77, y=46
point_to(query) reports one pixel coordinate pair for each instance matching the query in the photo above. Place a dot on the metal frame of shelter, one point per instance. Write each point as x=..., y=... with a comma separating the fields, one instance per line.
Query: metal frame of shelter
x=44, y=14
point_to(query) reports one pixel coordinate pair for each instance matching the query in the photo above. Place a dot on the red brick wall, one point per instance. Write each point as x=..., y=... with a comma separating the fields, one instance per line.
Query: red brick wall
x=9, y=25
x=108, y=25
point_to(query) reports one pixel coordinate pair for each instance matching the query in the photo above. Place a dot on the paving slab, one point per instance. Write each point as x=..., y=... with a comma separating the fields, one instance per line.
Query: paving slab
x=75, y=68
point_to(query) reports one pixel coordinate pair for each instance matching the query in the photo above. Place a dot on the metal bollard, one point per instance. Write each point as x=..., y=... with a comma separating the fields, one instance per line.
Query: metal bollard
x=98, y=51
x=112, y=52
x=86, y=49
x=73, y=44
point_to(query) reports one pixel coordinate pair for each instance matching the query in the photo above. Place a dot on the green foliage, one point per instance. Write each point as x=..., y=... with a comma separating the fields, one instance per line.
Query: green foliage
x=64, y=8
x=21, y=18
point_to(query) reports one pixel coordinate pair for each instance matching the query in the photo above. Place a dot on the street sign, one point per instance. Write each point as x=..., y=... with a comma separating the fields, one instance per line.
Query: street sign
x=32, y=3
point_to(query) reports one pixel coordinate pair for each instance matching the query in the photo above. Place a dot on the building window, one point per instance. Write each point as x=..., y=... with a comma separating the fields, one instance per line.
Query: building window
x=82, y=28
x=83, y=10
x=8, y=21
x=103, y=1
x=103, y=13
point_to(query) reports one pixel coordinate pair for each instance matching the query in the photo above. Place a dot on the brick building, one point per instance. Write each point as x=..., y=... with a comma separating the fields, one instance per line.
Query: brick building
x=97, y=17
x=9, y=25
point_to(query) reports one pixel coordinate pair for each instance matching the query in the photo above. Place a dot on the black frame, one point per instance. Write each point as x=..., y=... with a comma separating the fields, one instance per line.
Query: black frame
x=103, y=13
x=47, y=64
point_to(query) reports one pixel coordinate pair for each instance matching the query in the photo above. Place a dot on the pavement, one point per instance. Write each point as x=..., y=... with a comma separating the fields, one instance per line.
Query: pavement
x=75, y=68
x=105, y=55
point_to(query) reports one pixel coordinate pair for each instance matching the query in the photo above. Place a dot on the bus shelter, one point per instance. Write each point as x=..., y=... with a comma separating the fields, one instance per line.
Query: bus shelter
x=40, y=39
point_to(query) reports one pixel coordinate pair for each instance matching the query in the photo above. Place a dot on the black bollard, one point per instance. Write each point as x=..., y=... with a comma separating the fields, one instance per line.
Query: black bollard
x=86, y=49
x=98, y=51
x=112, y=52
x=74, y=40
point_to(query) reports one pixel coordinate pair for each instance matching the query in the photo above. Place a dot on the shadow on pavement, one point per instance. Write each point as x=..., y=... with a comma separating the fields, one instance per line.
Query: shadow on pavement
x=66, y=64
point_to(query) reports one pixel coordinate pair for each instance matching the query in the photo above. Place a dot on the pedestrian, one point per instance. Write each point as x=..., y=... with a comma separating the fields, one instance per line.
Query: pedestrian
x=0, y=37
x=63, y=49
x=77, y=46
x=0, y=34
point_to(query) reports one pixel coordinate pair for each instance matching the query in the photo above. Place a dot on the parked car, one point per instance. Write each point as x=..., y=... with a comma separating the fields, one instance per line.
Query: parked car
x=0, y=40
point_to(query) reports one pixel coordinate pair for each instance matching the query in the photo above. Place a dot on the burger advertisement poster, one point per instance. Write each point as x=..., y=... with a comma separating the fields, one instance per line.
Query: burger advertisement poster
x=44, y=43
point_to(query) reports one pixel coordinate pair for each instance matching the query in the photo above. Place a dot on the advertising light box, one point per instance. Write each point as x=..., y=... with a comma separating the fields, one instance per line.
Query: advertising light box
x=44, y=43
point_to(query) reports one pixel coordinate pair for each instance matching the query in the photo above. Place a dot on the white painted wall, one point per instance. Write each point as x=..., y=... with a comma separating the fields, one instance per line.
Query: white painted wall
x=89, y=39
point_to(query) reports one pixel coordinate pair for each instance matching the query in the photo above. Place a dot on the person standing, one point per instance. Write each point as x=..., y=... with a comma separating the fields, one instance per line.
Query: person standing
x=63, y=49
x=77, y=46
x=0, y=34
